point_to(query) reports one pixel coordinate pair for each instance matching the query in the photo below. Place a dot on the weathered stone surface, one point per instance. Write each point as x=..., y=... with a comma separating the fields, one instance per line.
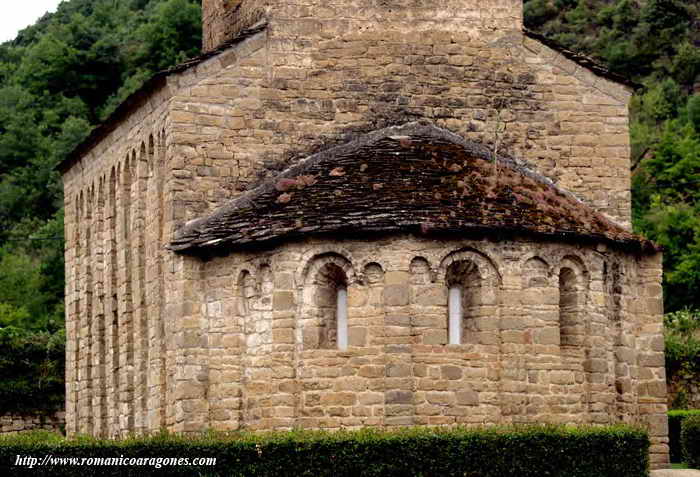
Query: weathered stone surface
x=563, y=330
x=396, y=295
x=14, y=423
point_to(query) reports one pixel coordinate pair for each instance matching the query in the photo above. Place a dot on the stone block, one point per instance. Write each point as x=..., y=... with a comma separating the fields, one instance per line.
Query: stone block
x=396, y=295
x=339, y=399
x=283, y=335
x=451, y=372
x=429, y=321
x=431, y=296
x=311, y=337
x=441, y=398
x=547, y=336
x=371, y=371
x=435, y=337
x=357, y=297
x=399, y=397
x=398, y=370
x=283, y=301
x=370, y=398
x=467, y=398
x=397, y=278
x=357, y=336
x=393, y=319
x=651, y=359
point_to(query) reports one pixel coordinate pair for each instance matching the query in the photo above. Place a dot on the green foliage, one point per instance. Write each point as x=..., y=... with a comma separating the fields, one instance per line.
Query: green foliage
x=682, y=346
x=682, y=349
x=31, y=367
x=675, y=421
x=690, y=441
x=694, y=112
x=172, y=34
x=58, y=79
x=667, y=209
x=537, y=12
x=525, y=452
x=685, y=66
x=661, y=101
x=15, y=316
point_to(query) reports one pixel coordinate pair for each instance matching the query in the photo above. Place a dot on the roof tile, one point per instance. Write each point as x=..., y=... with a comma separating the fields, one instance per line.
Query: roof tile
x=411, y=178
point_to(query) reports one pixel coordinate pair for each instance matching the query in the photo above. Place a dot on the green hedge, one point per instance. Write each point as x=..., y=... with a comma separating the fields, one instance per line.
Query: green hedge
x=523, y=452
x=690, y=441
x=675, y=420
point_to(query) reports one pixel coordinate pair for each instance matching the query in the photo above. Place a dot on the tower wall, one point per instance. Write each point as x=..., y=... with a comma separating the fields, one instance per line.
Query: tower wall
x=225, y=19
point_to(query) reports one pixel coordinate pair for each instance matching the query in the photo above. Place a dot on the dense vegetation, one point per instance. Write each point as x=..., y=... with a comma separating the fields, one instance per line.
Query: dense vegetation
x=675, y=422
x=58, y=79
x=66, y=73
x=690, y=441
x=682, y=339
x=525, y=452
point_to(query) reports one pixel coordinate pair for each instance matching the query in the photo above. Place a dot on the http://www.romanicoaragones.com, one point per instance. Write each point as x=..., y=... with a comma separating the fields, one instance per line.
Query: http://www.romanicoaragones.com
x=121, y=461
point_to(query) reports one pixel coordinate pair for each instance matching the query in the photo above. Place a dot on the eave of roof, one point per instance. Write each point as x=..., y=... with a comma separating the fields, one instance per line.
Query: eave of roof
x=411, y=178
x=589, y=63
x=141, y=95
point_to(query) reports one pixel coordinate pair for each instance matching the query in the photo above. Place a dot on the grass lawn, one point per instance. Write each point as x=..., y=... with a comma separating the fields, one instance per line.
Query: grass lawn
x=681, y=465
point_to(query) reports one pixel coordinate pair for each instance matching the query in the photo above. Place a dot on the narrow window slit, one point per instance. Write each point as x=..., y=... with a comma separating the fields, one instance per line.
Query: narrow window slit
x=342, y=314
x=455, y=315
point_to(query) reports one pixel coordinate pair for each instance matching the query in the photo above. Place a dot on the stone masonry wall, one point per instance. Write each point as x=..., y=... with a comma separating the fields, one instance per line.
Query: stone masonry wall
x=142, y=353
x=224, y=19
x=120, y=281
x=13, y=423
x=259, y=369
x=684, y=392
x=318, y=76
x=116, y=227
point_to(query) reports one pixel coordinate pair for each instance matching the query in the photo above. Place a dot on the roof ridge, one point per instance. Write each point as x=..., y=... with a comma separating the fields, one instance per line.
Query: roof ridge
x=420, y=127
x=585, y=61
x=441, y=174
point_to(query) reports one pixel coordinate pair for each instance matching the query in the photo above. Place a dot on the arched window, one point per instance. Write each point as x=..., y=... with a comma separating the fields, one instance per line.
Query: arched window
x=246, y=292
x=535, y=273
x=464, y=298
x=568, y=307
x=616, y=292
x=332, y=304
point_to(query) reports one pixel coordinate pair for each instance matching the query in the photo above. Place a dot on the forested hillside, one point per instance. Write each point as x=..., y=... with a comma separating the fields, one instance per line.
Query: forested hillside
x=58, y=79
x=63, y=75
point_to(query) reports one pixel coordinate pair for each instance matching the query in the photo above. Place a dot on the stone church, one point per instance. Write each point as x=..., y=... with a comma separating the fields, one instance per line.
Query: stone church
x=362, y=213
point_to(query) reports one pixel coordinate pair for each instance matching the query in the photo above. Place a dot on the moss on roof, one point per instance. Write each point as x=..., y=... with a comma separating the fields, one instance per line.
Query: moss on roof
x=414, y=178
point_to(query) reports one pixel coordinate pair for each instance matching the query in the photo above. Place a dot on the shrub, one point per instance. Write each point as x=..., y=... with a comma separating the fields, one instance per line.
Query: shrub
x=690, y=441
x=32, y=367
x=522, y=452
x=675, y=420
